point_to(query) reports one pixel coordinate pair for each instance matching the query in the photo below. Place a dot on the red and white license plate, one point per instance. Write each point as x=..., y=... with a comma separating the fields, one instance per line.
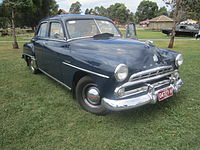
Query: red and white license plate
x=163, y=94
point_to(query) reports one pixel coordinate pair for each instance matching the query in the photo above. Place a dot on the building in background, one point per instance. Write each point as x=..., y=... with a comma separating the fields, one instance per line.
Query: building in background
x=62, y=12
x=145, y=23
x=160, y=22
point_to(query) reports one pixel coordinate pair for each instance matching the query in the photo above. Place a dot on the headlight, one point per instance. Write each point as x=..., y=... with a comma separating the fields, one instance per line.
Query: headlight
x=179, y=60
x=121, y=72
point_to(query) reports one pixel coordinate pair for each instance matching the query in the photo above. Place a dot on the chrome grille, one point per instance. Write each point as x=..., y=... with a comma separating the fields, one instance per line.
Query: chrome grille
x=145, y=88
x=159, y=71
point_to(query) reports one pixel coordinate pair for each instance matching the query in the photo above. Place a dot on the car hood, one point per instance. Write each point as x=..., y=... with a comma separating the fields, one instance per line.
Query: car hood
x=108, y=53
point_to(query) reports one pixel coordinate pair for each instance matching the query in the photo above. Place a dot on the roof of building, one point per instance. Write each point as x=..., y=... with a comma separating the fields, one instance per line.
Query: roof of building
x=161, y=18
x=145, y=22
x=62, y=11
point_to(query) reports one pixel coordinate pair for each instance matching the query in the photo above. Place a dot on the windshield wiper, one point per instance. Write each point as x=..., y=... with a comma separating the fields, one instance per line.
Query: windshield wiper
x=103, y=35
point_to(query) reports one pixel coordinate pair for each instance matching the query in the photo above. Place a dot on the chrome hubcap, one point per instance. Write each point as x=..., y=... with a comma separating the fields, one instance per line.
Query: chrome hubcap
x=91, y=95
x=33, y=65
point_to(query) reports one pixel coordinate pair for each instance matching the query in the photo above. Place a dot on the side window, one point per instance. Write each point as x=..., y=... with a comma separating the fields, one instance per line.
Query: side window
x=56, y=31
x=42, y=30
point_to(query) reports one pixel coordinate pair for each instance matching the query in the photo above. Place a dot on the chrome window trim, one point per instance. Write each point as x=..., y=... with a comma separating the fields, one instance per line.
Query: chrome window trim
x=51, y=39
x=84, y=37
x=98, y=74
x=97, y=26
x=54, y=78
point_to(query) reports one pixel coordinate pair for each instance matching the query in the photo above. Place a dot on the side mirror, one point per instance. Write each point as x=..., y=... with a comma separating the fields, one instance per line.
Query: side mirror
x=131, y=31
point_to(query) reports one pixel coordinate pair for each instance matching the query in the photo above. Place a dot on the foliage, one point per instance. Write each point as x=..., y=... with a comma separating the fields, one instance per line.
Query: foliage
x=4, y=21
x=30, y=12
x=75, y=8
x=118, y=12
x=146, y=10
x=40, y=9
x=162, y=11
x=192, y=9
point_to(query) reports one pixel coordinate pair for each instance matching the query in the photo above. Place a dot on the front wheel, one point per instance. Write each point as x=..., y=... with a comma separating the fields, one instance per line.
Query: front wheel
x=88, y=96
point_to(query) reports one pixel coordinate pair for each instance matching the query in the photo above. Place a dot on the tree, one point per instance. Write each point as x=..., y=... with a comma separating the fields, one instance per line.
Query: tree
x=75, y=8
x=192, y=9
x=175, y=6
x=4, y=21
x=146, y=10
x=101, y=11
x=39, y=9
x=162, y=11
x=13, y=6
x=87, y=11
x=26, y=13
x=118, y=12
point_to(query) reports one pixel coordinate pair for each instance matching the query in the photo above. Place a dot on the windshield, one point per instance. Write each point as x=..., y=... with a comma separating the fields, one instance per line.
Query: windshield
x=90, y=28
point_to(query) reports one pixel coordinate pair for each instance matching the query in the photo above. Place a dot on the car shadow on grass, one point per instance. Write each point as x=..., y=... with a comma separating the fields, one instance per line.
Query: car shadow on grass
x=149, y=112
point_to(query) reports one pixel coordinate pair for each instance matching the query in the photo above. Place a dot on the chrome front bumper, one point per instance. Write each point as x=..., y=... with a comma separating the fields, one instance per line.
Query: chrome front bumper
x=129, y=103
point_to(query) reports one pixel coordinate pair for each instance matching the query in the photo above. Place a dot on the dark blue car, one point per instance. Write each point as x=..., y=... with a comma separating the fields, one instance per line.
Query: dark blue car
x=105, y=72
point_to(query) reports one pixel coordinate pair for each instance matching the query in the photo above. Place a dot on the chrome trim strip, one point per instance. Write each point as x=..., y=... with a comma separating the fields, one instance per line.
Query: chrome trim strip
x=98, y=74
x=97, y=26
x=54, y=79
x=51, y=39
x=84, y=37
x=29, y=56
x=149, y=71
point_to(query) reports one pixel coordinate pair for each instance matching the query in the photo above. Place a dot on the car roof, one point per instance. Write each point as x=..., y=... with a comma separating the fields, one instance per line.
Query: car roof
x=75, y=16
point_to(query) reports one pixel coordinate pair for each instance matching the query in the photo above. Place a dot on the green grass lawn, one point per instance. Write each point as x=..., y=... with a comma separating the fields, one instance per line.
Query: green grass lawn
x=149, y=34
x=38, y=113
x=20, y=37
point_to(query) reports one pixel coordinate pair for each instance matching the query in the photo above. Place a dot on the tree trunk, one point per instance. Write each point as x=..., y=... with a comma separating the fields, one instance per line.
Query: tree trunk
x=15, y=44
x=176, y=20
x=171, y=42
x=33, y=28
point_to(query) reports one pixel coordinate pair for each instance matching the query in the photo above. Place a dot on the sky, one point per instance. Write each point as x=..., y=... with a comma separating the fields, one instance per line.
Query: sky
x=130, y=4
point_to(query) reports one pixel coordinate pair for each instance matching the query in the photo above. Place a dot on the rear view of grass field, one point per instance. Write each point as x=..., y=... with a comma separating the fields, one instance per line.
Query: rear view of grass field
x=38, y=113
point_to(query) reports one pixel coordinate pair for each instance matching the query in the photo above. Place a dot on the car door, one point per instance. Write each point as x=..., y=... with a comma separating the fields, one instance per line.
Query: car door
x=38, y=43
x=55, y=47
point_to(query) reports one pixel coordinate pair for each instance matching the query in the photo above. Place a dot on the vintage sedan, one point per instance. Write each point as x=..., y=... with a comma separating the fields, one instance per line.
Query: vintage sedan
x=105, y=72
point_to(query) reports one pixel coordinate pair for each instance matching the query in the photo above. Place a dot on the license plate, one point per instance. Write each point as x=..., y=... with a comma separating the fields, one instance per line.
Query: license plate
x=163, y=94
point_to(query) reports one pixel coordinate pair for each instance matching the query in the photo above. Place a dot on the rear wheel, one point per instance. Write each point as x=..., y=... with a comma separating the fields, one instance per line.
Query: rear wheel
x=88, y=96
x=33, y=65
